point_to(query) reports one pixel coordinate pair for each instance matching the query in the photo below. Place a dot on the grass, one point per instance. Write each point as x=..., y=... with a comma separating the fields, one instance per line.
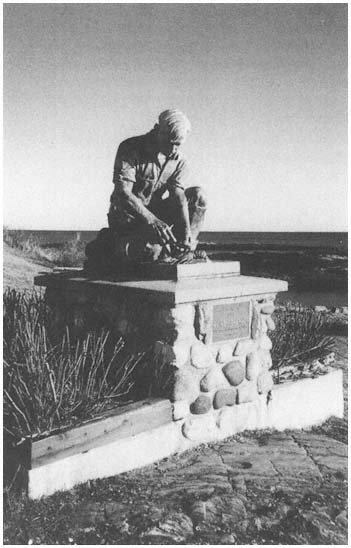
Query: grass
x=300, y=336
x=70, y=253
x=52, y=381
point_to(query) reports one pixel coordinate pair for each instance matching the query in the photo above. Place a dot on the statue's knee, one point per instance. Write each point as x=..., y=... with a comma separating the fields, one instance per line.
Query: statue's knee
x=197, y=196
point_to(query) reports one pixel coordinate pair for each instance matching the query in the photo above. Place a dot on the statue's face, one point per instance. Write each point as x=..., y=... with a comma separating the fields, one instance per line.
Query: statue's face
x=167, y=144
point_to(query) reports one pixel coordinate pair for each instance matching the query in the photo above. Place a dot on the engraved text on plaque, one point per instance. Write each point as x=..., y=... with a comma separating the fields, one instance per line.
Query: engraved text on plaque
x=231, y=321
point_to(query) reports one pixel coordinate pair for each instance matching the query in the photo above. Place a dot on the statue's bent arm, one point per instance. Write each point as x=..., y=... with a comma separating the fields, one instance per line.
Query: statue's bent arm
x=124, y=192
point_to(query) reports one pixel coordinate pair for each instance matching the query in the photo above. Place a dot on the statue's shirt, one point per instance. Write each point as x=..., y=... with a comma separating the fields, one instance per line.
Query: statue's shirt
x=151, y=173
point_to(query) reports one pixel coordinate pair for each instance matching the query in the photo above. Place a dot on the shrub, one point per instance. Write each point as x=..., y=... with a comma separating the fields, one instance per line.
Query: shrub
x=299, y=336
x=53, y=384
x=13, y=238
x=71, y=254
x=155, y=381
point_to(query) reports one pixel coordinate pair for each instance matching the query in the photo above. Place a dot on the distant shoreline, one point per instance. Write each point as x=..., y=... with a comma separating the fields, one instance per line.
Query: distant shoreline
x=324, y=240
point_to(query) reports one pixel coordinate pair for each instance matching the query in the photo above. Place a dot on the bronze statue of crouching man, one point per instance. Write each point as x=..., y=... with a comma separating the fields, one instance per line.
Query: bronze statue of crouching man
x=152, y=216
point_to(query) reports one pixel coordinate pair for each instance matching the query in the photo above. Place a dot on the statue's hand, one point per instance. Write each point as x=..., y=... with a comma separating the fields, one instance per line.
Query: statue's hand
x=186, y=241
x=162, y=231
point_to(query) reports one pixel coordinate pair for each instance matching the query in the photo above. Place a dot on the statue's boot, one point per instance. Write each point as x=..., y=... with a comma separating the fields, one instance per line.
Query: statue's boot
x=113, y=253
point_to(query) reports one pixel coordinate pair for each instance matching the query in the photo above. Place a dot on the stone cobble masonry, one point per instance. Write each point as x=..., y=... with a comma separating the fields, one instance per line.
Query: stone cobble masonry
x=211, y=331
x=213, y=377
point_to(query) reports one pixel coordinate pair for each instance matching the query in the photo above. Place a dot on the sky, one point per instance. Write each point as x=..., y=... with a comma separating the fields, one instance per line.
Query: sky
x=264, y=86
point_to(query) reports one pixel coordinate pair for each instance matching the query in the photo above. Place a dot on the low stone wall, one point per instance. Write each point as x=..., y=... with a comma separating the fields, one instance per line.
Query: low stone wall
x=295, y=404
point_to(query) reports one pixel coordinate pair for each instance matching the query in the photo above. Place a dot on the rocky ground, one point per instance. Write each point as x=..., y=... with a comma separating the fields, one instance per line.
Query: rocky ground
x=261, y=487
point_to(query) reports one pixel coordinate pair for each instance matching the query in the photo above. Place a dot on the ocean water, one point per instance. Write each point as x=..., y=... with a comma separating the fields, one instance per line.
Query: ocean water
x=327, y=240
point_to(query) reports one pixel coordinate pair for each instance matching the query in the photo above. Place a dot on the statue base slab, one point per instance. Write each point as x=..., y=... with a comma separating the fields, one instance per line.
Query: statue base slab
x=209, y=269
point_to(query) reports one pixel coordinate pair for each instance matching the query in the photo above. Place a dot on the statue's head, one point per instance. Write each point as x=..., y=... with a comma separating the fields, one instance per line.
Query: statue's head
x=172, y=129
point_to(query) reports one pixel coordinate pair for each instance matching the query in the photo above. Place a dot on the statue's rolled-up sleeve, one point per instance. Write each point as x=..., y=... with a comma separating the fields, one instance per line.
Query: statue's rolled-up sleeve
x=179, y=177
x=124, y=170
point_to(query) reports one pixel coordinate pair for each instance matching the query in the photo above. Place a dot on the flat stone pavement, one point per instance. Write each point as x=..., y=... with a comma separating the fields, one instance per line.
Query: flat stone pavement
x=263, y=488
x=257, y=488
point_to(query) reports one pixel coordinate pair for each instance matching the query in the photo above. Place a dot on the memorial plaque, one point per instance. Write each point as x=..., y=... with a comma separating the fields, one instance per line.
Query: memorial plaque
x=231, y=321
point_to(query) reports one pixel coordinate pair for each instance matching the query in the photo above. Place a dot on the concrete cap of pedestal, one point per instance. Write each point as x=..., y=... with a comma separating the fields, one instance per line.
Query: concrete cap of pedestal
x=208, y=269
x=169, y=292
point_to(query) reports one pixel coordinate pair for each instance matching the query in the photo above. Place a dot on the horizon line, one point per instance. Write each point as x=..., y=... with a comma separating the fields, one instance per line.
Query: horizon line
x=214, y=231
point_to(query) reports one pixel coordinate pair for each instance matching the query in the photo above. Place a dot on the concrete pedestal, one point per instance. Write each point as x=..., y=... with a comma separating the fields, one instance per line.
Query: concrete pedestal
x=209, y=323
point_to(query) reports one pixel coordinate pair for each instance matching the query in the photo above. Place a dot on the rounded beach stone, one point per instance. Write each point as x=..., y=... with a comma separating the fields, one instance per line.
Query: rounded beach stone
x=180, y=410
x=227, y=538
x=247, y=392
x=214, y=351
x=264, y=382
x=225, y=420
x=235, y=372
x=244, y=347
x=252, y=366
x=226, y=396
x=181, y=353
x=201, y=356
x=186, y=384
x=255, y=323
x=265, y=342
x=200, y=428
x=320, y=308
x=267, y=308
x=201, y=405
x=265, y=358
x=224, y=354
x=214, y=379
x=270, y=323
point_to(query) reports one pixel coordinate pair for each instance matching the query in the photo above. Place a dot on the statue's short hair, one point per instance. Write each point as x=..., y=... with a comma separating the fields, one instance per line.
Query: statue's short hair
x=175, y=122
